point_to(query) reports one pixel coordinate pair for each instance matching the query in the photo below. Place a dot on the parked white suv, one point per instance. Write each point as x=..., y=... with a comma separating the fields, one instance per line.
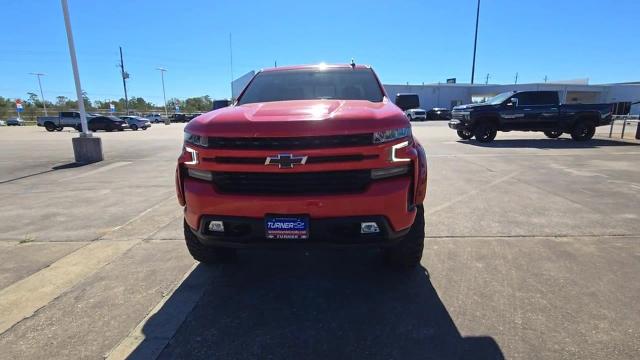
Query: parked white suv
x=154, y=118
x=416, y=114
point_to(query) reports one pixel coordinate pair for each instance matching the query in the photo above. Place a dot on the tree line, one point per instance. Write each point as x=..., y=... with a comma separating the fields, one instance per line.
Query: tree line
x=33, y=105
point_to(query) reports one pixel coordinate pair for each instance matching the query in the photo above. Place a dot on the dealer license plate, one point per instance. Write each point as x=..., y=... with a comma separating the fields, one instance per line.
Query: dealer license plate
x=286, y=227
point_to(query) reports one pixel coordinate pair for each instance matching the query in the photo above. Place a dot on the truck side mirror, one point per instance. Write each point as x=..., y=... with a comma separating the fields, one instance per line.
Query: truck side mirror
x=407, y=101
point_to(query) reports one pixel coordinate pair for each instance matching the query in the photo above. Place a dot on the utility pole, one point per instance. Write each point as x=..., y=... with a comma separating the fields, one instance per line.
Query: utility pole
x=475, y=43
x=231, y=63
x=44, y=105
x=164, y=96
x=516, y=81
x=486, y=80
x=125, y=76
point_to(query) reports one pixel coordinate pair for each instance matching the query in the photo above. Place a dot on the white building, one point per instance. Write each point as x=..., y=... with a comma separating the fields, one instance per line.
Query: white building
x=449, y=95
x=445, y=95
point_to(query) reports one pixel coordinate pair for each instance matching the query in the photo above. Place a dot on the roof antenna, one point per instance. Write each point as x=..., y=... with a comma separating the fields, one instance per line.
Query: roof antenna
x=353, y=64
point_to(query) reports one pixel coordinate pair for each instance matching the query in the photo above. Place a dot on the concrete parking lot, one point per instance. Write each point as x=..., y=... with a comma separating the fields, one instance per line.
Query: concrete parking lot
x=532, y=252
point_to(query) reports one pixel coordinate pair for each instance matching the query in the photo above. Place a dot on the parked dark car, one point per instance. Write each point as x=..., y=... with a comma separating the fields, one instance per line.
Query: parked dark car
x=15, y=122
x=193, y=116
x=106, y=123
x=529, y=111
x=439, y=114
x=178, y=117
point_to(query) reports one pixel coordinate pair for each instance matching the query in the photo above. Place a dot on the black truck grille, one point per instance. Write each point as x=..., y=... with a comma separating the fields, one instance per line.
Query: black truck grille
x=291, y=143
x=328, y=182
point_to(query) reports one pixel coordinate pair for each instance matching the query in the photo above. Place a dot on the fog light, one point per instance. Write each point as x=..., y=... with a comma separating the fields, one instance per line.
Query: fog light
x=216, y=226
x=369, y=228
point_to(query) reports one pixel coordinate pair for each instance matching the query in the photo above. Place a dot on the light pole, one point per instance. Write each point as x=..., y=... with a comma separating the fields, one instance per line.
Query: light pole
x=85, y=148
x=475, y=43
x=41, y=93
x=164, y=96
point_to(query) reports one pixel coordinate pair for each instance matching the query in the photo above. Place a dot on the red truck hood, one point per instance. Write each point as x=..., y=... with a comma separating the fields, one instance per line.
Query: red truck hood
x=299, y=118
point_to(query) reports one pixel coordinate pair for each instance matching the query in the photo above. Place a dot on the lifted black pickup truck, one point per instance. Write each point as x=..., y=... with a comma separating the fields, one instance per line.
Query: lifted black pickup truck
x=528, y=111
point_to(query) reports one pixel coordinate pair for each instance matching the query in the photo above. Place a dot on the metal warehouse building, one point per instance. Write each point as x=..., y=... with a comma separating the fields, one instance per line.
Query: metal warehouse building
x=447, y=95
x=576, y=91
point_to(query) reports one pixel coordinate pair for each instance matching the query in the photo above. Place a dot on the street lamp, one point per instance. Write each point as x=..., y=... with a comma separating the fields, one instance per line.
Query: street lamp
x=86, y=149
x=164, y=96
x=41, y=93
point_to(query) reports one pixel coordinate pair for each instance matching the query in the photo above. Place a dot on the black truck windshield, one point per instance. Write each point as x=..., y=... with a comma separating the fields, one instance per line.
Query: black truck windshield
x=313, y=84
x=498, y=99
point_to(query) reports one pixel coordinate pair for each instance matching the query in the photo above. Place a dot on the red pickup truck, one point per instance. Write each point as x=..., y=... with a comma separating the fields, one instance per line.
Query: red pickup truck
x=307, y=155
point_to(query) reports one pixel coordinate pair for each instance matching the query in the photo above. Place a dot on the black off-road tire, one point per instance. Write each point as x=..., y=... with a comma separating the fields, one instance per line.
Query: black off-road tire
x=465, y=134
x=552, y=134
x=407, y=253
x=206, y=254
x=485, y=132
x=583, y=131
x=50, y=127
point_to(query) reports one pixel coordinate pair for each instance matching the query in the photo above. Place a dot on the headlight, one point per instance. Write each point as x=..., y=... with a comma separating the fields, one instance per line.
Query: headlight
x=390, y=135
x=195, y=139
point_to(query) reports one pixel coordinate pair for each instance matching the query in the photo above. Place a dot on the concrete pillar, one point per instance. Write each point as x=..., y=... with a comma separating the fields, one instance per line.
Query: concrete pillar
x=87, y=149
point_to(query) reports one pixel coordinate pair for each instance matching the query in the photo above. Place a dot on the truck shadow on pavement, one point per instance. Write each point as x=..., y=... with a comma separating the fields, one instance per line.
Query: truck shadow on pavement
x=292, y=304
x=561, y=143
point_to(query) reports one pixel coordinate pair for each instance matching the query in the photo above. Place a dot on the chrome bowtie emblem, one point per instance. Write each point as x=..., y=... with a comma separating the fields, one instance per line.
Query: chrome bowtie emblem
x=285, y=161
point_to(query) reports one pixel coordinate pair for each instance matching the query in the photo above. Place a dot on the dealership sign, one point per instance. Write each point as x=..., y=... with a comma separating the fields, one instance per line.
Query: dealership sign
x=19, y=107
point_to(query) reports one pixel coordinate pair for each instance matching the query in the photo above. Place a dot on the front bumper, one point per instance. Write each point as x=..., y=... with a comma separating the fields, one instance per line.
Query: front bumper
x=332, y=217
x=243, y=232
x=456, y=124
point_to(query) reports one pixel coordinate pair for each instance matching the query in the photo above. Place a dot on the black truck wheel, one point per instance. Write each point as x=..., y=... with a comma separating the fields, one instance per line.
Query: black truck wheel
x=49, y=126
x=583, y=131
x=408, y=252
x=465, y=134
x=485, y=132
x=552, y=134
x=134, y=127
x=206, y=254
x=59, y=128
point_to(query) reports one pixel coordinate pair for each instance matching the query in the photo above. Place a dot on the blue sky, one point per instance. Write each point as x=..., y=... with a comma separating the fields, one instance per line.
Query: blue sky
x=405, y=41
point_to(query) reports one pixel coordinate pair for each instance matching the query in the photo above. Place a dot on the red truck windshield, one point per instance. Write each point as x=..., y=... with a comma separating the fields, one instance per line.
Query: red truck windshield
x=313, y=84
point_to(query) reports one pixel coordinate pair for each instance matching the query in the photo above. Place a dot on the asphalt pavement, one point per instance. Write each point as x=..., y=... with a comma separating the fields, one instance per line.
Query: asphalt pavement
x=532, y=252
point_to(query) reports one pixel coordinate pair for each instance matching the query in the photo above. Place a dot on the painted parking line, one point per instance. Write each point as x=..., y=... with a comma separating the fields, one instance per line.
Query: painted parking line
x=96, y=171
x=470, y=193
x=23, y=298
x=149, y=338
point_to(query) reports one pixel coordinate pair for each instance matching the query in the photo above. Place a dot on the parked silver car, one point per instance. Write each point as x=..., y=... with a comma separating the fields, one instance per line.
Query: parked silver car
x=136, y=122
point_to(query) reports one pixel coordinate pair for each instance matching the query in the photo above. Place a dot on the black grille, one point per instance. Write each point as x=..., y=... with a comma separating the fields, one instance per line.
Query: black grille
x=310, y=160
x=329, y=182
x=291, y=143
